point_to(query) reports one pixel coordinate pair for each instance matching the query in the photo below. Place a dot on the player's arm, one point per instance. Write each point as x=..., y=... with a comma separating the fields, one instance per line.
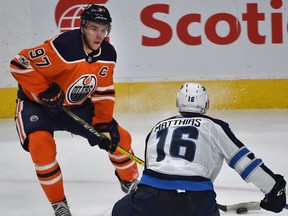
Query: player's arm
x=28, y=68
x=104, y=100
x=22, y=68
x=252, y=169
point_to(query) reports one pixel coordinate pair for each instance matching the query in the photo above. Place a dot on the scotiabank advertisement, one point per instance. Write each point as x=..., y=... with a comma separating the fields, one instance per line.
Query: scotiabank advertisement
x=183, y=40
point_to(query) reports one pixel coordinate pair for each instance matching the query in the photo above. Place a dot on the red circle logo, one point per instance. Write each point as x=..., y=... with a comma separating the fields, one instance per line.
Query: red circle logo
x=67, y=13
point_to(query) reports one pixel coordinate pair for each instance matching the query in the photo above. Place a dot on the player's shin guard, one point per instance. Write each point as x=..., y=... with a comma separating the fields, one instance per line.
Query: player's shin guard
x=50, y=178
x=42, y=148
x=126, y=172
x=125, y=167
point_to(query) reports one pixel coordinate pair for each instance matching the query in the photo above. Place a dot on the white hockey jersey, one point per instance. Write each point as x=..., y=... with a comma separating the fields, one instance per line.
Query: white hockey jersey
x=187, y=153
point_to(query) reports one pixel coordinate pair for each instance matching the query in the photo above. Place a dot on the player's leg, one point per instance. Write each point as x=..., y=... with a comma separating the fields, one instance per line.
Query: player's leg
x=145, y=201
x=196, y=203
x=42, y=149
x=125, y=168
x=35, y=128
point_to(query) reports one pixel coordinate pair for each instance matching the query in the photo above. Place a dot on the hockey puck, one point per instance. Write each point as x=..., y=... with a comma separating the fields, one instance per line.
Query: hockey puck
x=241, y=210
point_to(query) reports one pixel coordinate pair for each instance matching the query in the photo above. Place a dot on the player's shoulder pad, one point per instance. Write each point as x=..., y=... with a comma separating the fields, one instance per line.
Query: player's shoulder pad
x=108, y=52
x=225, y=126
x=216, y=121
x=69, y=45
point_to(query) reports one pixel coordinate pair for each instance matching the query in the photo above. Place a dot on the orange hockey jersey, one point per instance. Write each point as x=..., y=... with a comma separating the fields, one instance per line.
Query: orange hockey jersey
x=80, y=75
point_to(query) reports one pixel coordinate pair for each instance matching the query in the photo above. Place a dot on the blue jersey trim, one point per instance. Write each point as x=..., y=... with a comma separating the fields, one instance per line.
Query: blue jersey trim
x=176, y=184
x=250, y=168
x=237, y=157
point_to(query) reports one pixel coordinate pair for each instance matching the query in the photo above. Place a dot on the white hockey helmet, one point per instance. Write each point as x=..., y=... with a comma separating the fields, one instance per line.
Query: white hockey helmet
x=192, y=97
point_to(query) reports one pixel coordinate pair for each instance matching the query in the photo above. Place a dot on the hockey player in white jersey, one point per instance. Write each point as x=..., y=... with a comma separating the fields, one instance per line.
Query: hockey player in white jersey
x=183, y=157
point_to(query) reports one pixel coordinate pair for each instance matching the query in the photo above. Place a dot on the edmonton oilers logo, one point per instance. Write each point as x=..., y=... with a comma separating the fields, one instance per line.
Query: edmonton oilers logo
x=81, y=88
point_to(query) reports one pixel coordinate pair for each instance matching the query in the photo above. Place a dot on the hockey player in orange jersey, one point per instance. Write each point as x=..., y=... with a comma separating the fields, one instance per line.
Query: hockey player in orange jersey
x=74, y=69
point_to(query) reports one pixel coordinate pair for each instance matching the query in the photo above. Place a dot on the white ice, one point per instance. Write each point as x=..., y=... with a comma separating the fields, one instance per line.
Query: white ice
x=90, y=185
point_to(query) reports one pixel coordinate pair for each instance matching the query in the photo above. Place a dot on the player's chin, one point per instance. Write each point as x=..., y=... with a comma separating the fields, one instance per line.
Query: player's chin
x=95, y=46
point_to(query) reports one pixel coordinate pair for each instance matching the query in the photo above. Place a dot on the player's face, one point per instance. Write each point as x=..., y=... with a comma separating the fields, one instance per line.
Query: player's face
x=95, y=33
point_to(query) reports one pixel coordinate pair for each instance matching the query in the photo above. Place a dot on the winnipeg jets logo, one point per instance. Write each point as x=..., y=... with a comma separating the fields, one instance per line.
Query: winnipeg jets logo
x=81, y=88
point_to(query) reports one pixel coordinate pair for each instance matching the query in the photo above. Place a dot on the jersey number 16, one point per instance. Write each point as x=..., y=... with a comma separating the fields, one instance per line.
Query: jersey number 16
x=181, y=144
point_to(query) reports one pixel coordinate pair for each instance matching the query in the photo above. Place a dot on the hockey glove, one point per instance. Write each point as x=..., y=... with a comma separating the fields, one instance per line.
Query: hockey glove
x=106, y=144
x=110, y=130
x=275, y=200
x=52, y=99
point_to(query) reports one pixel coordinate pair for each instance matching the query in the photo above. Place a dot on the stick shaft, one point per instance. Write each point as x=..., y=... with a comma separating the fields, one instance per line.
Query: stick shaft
x=100, y=135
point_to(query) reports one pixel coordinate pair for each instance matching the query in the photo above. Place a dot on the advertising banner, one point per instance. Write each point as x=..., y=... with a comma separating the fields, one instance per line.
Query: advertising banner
x=183, y=39
x=179, y=40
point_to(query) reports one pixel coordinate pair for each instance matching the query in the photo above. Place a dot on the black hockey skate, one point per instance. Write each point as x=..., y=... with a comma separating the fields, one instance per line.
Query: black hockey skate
x=126, y=186
x=61, y=208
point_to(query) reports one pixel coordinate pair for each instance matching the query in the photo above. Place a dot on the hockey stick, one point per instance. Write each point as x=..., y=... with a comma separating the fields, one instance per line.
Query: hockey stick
x=100, y=135
x=244, y=207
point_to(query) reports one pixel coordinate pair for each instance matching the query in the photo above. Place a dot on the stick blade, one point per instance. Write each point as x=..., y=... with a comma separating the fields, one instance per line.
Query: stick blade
x=253, y=205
